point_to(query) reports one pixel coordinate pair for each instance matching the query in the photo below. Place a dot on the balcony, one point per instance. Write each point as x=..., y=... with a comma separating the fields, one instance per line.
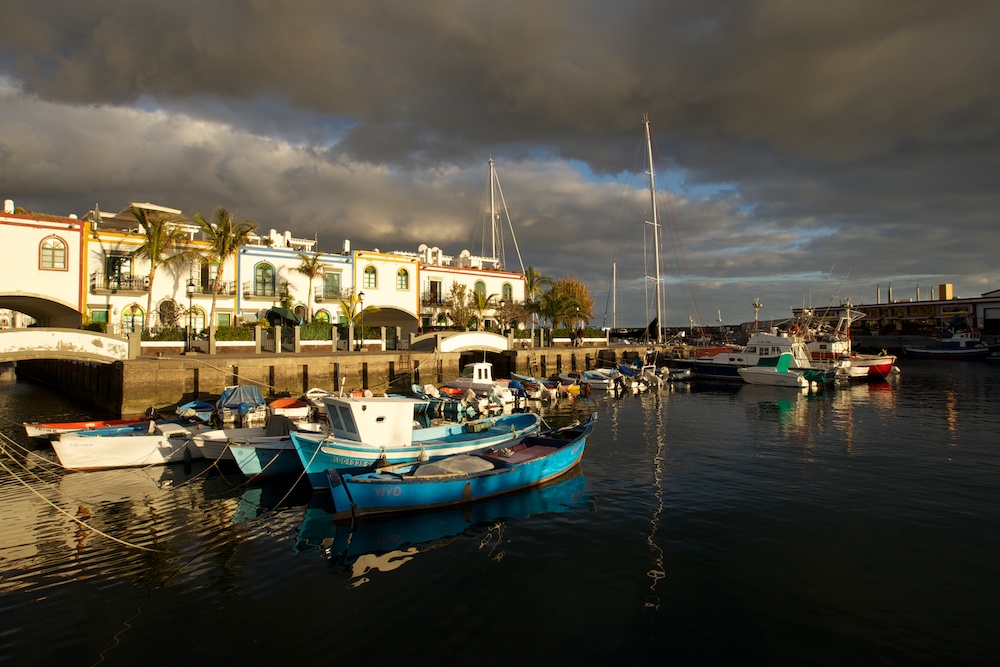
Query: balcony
x=254, y=291
x=325, y=293
x=433, y=299
x=102, y=283
x=226, y=288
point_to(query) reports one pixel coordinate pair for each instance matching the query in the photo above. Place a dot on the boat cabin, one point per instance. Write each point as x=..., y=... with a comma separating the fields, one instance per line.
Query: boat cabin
x=384, y=419
x=478, y=372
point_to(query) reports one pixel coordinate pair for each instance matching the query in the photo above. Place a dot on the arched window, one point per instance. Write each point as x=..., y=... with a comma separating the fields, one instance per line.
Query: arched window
x=197, y=319
x=132, y=318
x=263, y=280
x=52, y=254
x=371, y=277
x=480, y=288
x=169, y=313
x=322, y=316
x=402, y=279
x=506, y=292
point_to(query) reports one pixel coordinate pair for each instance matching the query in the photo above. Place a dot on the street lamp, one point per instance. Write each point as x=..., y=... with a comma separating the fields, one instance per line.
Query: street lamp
x=361, y=301
x=190, y=293
x=503, y=302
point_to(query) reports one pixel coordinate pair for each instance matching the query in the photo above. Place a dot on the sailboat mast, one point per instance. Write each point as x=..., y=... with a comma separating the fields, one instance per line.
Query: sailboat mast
x=656, y=230
x=493, y=209
x=614, y=295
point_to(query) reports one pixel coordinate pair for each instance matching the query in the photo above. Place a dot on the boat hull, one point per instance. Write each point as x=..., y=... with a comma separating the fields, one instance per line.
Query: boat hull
x=266, y=459
x=78, y=451
x=46, y=430
x=317, y=453
x=710, y=370
x=769, y=376
x=964, y=353
x=534, y=461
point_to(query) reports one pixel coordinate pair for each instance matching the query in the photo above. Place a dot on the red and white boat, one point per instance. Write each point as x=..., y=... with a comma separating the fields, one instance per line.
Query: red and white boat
x=45, y=431
x=833, y=345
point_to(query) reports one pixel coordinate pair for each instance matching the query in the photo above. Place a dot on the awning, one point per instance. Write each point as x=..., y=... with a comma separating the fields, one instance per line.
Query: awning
x=281, y=316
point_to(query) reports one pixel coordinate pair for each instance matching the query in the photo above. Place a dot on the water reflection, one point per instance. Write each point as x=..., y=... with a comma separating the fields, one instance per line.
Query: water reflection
x=367, y=547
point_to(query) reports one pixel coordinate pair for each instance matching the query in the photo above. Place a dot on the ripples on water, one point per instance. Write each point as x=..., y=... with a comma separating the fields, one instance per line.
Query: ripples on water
x=705, y=524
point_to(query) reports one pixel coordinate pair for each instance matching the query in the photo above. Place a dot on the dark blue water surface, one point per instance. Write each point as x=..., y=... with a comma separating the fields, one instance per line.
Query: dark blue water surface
x=705, y=525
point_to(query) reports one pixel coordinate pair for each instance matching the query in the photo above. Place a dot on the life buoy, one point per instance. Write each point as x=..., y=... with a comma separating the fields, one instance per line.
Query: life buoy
x=794, y=329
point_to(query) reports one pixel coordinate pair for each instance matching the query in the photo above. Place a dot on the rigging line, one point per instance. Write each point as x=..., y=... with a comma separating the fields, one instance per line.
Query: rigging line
x=27, y=470
x=69, y=516
x=510, y=224
x=618, y=230
x=45, y=461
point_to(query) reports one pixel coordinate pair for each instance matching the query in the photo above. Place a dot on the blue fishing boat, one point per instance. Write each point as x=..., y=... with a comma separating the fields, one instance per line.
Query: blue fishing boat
x=464, y=478
x=358, y=545
x=378, y=429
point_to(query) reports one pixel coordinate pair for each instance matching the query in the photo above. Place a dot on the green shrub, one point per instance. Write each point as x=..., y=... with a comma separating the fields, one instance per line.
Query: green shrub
x=234, y=333
x=172, y=333
x=316, y=331
x=100, y=327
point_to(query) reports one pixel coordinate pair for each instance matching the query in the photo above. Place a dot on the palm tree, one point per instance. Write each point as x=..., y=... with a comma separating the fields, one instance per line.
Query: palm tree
x=534, y=283
x=160, y=247
x=534, y=286
x=225, y=237
x=312, y=268
x=354, y=312
x=481, y=303
x=558, y=308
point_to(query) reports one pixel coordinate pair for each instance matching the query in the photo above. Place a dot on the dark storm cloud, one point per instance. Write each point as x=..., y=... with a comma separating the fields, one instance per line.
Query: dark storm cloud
x=856, y=138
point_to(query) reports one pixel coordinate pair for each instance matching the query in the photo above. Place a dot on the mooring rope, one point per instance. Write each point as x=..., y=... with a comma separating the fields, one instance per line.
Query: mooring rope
x=69, y=516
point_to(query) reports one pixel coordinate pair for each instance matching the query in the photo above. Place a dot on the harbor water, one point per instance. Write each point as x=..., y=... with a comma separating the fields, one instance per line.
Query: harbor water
x=705, y=525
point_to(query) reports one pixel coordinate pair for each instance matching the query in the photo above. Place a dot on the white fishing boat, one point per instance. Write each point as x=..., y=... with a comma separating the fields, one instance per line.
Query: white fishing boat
x=162, y=442
x=778, y=375
x=763, y=349
x=596, y=378
x=216, y=444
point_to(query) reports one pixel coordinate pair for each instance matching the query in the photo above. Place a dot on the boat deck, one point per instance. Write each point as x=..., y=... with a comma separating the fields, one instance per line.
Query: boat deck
x=526, y=454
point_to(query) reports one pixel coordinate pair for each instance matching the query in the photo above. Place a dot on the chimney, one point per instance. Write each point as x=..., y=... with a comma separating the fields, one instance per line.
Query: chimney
x=347, y=246
x=8, y=205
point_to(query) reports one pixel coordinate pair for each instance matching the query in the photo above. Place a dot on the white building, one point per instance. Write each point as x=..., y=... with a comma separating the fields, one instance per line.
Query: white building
x=90, y=270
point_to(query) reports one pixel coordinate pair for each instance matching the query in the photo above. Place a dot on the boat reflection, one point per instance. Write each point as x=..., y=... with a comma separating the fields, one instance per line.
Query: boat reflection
x=784, y=405
x=384, y=545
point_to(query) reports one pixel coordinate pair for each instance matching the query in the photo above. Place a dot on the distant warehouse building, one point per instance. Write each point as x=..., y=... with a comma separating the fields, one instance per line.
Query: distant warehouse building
x=922, y=317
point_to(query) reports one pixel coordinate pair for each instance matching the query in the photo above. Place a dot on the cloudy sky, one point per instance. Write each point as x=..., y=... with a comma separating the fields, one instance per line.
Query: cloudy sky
x=805, y=151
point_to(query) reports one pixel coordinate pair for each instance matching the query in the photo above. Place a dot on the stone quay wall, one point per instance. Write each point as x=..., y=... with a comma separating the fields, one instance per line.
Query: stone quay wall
x=130, y=388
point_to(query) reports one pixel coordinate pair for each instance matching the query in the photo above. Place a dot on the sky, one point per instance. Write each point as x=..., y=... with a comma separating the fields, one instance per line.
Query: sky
x=804, y=152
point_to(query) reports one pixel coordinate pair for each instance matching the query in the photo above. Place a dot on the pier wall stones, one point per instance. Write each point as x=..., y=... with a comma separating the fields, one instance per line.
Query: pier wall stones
x=129, y=388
